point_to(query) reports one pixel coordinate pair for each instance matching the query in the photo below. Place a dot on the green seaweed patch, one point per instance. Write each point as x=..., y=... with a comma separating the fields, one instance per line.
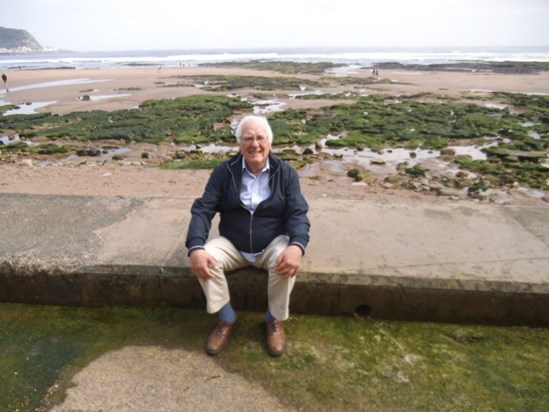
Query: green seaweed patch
x=282, y=67
x=416, y=171
x=383, y=121
x=529, y=103
x=50, y=149
x=328, y=96
x=234, y=82
x=155, y=121
x=42, y=149
x=192, y=164
x=475, y=66
x=532, y=174
x=355, y=174
x=17, y=147
x=361, y=81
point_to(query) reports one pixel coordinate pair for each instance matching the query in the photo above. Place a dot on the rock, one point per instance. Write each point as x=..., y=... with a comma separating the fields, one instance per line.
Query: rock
x=377, y=161
x=92, y=151
x=446, y=191
x=448, y=151
x=27, y=162
x=487, y=194
x=393, y=179
x=415, y=186
x=436, y=186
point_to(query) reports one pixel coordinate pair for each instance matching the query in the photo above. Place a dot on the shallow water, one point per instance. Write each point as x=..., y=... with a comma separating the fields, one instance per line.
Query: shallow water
x=16, y=139
x=107, y=96
x=263, y=107
x=54, y=84
x=29, y=108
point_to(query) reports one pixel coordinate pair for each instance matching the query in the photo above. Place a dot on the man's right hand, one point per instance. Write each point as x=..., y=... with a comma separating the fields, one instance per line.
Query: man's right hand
x=201, y=262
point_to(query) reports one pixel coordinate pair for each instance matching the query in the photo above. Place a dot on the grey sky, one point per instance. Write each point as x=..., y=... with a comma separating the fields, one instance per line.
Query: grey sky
x=165, y=24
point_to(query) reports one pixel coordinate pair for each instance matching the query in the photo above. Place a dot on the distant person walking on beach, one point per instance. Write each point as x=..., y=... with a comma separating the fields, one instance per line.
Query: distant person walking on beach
x=5, y=80
x=263, y=224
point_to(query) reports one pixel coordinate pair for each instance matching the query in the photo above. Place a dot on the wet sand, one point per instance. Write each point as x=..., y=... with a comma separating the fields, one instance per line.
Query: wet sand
x=127, y=88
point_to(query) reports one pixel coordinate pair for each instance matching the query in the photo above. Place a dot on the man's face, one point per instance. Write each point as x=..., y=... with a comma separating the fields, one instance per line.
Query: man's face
x=254, y=145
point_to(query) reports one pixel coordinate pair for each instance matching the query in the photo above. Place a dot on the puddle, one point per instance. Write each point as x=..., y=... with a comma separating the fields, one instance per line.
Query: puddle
x=105, y=155
x=107, y=96
x=475, y=152
x=28, y=108
x=534, y=135
x=56, y=83
x=496, y=106
x=316, y=93
x=263, y=107
x=345, y=70
x=5, y=140
x=385, y=161
x=212, y=148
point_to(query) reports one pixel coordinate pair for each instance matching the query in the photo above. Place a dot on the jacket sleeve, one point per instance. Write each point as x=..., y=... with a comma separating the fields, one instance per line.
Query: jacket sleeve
x=295, y=216
x=203, y=211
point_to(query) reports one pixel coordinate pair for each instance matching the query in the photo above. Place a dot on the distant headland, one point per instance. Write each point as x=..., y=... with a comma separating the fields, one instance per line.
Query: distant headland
x=18, y=41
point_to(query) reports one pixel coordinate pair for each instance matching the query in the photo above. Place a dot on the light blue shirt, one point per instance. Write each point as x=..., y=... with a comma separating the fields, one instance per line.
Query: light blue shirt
x=254, y=190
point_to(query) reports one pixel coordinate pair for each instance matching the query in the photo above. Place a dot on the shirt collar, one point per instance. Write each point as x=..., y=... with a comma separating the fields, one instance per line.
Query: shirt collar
x=265, y=168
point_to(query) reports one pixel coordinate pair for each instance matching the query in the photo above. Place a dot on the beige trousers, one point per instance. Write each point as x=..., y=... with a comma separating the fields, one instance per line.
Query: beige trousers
x=229, y=258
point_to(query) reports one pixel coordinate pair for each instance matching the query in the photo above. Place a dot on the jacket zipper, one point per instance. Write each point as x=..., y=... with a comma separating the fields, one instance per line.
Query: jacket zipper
x=242, y=204
x=251, y=235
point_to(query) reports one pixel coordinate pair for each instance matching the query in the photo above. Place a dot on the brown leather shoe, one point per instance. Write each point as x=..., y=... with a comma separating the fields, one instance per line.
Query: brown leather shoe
x=219, y=337
x=276, y=338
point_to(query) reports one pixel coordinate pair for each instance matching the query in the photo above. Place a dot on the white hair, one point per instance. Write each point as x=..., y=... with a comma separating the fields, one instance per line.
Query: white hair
x=256, y=119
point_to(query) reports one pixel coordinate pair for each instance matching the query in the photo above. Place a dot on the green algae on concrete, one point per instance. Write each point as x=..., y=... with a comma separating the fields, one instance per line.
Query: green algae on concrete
x=332, y=363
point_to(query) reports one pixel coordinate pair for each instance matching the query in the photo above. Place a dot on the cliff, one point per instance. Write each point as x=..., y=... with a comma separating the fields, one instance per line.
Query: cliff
x=18, y=41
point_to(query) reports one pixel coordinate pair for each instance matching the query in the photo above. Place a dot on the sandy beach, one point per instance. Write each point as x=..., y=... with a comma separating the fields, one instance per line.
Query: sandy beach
x=115, y=89
x=137, y=85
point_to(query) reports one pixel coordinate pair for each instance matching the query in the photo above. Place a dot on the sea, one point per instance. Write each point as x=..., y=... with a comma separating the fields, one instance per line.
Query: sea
x=365, y=57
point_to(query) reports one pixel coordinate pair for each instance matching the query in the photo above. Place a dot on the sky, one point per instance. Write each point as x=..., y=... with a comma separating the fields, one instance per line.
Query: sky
x=93, y=25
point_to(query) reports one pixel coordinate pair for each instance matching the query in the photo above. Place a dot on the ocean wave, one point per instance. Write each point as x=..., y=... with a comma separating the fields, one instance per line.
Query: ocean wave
x=174, y=58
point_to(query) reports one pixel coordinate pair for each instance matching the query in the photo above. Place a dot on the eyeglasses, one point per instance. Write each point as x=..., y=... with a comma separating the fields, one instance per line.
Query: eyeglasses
x=249, y=139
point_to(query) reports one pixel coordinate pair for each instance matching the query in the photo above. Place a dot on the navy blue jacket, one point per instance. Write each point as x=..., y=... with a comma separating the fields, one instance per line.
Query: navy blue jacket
x=283, y=213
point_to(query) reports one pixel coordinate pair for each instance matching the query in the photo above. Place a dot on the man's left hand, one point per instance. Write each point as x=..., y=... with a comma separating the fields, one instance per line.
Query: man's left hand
x=289, y=261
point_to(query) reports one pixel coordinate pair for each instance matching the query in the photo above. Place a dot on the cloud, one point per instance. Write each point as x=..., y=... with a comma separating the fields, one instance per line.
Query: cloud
x=163, y=24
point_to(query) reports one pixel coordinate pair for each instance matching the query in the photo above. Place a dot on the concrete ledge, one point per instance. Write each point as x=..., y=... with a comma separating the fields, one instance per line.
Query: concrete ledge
x=313, y=294
x=455, y=262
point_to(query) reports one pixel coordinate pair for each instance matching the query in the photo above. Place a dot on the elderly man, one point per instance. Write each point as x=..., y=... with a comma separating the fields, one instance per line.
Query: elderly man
x=263, y=223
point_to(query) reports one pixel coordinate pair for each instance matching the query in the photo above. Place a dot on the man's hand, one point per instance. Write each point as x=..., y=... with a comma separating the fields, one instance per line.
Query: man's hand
x=289, y=261
x=201, y=262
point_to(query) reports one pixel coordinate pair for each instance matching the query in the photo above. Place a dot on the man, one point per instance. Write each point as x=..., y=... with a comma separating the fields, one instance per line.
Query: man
x=5, y=80
x=263, y=223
